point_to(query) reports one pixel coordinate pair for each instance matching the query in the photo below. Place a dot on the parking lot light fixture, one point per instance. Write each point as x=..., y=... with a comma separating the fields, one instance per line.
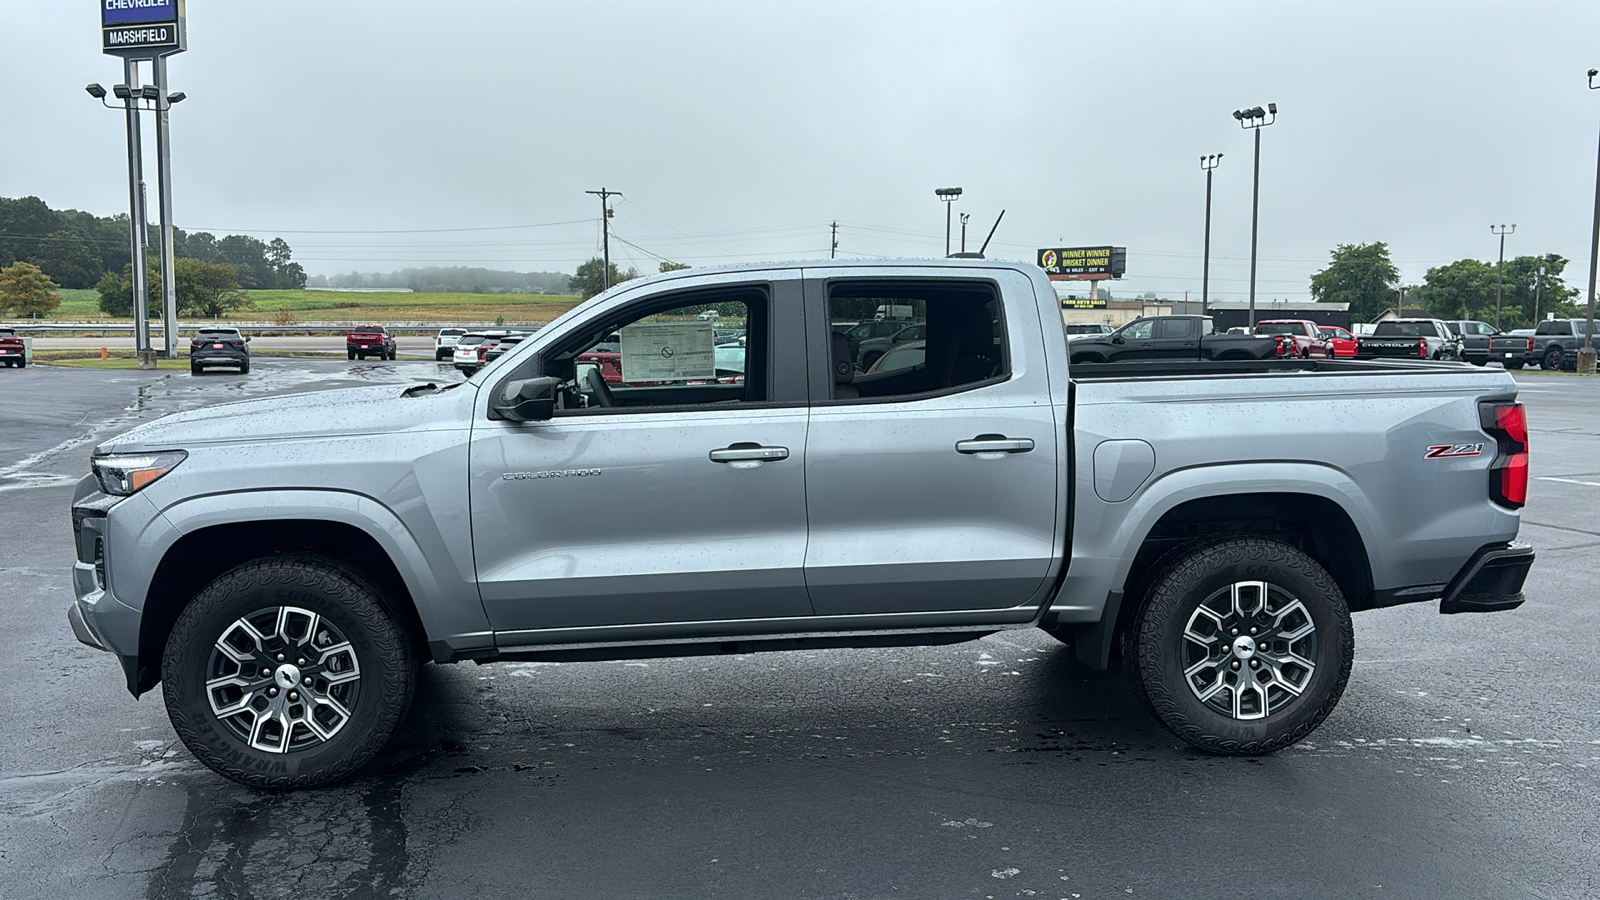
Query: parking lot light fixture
x=1255, y=119
x=121, y=91
x=96, y=91
x=949, y=195
x=175, y=98
x=1208, y=164
x=150, y=92
x=1500, y=278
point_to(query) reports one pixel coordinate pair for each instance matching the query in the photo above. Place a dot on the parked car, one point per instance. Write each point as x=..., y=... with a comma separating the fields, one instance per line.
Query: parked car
x=868, y=351
x=210, y=347
x=863, y=331
x=370, y=340
x=1474, y=338
x=1556, y=343
x=472, y=347
x=1177, y=338
x=13, y=351
x=1340, y=341
x=1414, y=338
x=502, y=346
x=1076, y=330
x=1307, y=337
x=709, y=315
x=907, y=355
x=1190, y=514
x=444, y=343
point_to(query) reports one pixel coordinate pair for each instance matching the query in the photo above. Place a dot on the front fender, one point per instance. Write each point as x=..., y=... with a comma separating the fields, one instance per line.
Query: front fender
x=449, y=608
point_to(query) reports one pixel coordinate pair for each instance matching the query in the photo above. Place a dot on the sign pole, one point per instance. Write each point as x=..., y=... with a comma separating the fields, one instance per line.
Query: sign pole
x=141, y=287
x=169, y=282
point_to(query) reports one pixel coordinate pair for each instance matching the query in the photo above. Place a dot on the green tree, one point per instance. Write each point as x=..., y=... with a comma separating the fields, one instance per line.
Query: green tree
x=207, y=289
x=1465, y=289
x=25, y=290
x=668, y=266
x=68, y=259
x=116, y=295
x=1361, y=275
x=589, y=280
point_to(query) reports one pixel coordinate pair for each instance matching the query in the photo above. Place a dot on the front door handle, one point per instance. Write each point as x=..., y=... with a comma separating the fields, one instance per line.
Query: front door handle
x=743, y=452
x=994, y=443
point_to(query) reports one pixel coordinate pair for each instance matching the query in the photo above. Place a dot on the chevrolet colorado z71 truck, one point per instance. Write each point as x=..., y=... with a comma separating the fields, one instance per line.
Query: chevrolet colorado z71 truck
x=282, y=565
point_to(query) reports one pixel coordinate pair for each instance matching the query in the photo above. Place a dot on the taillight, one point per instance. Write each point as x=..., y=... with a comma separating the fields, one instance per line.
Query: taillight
x=1422, y=349
x=1280, y=348
x=1508, y=476
x=1530, y=345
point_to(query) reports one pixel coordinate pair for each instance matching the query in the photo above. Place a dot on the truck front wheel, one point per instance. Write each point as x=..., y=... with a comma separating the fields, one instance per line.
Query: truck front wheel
x=1242, y=646
x=287, y=672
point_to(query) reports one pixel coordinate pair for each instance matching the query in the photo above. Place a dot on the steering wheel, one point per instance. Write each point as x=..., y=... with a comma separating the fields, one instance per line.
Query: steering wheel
x=598, y=387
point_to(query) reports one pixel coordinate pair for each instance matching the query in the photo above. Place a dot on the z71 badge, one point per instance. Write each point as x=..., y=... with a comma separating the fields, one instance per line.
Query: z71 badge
x=1451, y=451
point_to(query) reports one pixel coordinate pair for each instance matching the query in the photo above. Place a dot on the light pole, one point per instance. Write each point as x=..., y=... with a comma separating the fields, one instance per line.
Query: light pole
x=1586, y=355
x=949, y=196
x=1208, y=164
x=1500, y=269
x=964, y=218
x=1255, y=119
x=160, y=101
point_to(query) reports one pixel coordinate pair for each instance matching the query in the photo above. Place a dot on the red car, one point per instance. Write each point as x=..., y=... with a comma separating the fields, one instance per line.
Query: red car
x=12, y=351
x=1343, y=342
x=373, y=340
x=1307, y=336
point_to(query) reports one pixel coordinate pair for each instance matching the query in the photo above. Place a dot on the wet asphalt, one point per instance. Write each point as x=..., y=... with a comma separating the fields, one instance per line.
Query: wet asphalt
x=1462, y=762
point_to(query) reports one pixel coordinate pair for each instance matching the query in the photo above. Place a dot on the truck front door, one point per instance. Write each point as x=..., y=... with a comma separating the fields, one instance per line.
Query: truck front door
x=675, y=494
x=933, y=488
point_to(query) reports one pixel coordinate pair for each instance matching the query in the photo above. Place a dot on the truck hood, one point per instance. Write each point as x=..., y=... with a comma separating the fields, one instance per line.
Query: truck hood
x=355, y=411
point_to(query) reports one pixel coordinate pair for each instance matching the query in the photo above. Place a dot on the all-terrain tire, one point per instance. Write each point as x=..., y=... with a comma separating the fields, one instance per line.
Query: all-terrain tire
x=349, y=354
x=1552, y=360
x=351, y=607
x=1155, y=647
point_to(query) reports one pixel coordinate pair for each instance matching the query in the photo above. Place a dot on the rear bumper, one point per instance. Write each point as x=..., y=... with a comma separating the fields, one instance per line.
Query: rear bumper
x=1491, y=581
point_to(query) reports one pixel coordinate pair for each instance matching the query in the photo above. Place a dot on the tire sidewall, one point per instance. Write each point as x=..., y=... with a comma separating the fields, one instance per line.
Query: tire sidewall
x=1178, y=591
x=343, y=601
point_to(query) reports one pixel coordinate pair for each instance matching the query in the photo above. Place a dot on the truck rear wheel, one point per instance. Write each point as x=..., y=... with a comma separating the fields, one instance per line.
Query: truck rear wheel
x=287, y=672
x=1552, y=360
x=1242, y=646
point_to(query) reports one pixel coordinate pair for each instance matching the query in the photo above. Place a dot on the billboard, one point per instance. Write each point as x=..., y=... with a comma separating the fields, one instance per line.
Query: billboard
x=1082, y=303
x=1083, y=263
x=142, y=28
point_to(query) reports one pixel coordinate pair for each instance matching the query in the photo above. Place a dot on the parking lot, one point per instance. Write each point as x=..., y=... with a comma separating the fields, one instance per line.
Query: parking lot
x=1464, y=760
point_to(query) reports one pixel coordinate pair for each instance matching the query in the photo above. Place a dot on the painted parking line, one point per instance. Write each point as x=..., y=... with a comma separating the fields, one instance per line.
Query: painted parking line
x=1569, y=480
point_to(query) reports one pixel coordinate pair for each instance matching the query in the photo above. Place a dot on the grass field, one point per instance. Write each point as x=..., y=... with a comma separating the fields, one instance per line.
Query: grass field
x=356, y=308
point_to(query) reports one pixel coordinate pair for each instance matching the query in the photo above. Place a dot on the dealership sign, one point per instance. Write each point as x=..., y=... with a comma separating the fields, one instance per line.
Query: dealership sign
x=1083, y=263
x=142, y=28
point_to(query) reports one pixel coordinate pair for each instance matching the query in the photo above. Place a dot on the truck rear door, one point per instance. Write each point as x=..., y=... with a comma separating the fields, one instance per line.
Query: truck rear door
x=932, y=488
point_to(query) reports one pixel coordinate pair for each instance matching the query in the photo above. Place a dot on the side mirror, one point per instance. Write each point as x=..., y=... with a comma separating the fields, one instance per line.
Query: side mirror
x=527, y=399
x=1118, y=339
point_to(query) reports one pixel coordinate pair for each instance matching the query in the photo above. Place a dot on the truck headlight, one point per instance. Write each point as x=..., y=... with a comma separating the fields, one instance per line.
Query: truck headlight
x=126, y=473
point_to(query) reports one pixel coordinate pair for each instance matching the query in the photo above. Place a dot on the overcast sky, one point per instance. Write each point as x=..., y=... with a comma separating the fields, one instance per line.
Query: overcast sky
x=738, y=131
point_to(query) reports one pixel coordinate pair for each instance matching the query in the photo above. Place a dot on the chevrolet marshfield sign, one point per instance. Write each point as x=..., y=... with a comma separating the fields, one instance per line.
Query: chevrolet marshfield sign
x=141, y=28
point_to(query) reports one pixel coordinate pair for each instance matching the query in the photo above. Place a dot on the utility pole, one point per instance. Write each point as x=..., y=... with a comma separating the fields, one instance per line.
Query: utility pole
x=1208, y=164
x=1255, y=119
x=833, y=243
x=1538, y=282
x=1500, y=269
x=964, y=218
x=605, y=229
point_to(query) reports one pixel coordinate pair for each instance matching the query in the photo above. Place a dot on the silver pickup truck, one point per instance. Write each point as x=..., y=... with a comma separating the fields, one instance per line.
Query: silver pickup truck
x=737, y=484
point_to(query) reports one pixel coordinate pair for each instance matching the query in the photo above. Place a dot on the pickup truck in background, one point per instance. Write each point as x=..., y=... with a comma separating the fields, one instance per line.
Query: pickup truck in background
x=370, y=340
x=1408, y=338
x=1473, y=339
x=1556, y=343
x=1512, y=350
x=13, y=350
x=1188, y=513
x=1177, y=338
x=1307, y=336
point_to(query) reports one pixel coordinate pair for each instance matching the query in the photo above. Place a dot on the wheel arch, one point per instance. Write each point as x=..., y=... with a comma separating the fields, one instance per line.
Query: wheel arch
x=1304, y=512
x=219, y=532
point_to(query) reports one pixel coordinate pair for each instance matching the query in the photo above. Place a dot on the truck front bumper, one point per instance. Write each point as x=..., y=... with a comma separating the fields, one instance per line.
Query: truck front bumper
x=1491, y=580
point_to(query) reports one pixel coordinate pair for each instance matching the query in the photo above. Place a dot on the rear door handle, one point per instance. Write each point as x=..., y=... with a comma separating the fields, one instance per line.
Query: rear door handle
x=994, y=443
x=749, y=453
